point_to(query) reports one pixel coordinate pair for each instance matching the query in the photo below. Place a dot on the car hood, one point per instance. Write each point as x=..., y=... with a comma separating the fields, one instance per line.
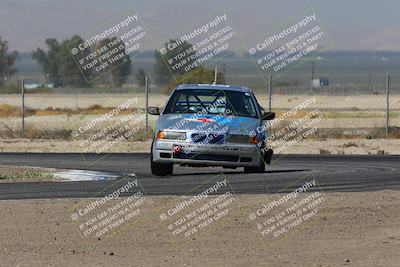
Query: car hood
x=192, y=122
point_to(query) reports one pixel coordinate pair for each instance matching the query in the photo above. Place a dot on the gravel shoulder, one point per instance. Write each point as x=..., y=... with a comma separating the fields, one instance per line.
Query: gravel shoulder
x=329, y=146
x=351, y=229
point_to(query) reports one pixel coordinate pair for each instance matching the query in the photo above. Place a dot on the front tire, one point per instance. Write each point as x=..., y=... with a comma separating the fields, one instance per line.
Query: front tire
x=258, y=169
x=160, y=169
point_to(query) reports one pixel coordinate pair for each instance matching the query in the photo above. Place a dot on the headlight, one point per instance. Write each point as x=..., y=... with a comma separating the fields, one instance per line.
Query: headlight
x=253, y=140
x=171, y=135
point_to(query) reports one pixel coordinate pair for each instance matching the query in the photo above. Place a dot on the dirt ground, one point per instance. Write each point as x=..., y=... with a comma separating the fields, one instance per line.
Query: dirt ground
x=350, y=229
x=15, y=174
x=43, y=101
x=329, y=146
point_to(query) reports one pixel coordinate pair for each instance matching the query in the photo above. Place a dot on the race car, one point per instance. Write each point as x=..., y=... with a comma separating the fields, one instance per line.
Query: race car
x=210, y=125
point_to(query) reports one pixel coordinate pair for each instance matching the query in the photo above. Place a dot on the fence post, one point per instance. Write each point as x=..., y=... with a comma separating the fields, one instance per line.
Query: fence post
x=387, y=85
x=270, y=93
x=270, y=98
x=146, y=92
x=23, y=107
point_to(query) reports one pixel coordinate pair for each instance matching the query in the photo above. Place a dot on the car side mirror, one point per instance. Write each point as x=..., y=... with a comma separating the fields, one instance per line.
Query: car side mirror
x=267, y=116
x=153, y=110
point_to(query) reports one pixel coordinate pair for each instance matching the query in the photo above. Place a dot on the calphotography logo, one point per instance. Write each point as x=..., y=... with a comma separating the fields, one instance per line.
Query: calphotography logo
x=109, y=46
x=101, y=134
x=293, y=126
x=200, y=210
x=200, y=44
x=296, y=41
x=294, y=208
x=107, y=215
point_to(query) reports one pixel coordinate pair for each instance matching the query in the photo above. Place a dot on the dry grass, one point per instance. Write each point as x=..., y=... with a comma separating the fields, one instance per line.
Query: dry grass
x=32, y=132
x=324, y=151
x=7, y=110
x=350, y=144
x=25, y=174
x=12, y=111
x=367, y=133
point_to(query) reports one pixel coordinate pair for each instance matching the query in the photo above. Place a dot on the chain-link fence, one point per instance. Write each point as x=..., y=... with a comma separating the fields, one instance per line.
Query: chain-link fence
x=365, y=109
x=55, y=108
x=60, y=108
x=10, y=107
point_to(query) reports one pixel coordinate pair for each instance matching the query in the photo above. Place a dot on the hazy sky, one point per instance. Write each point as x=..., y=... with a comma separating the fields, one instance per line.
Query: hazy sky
x=352, y=24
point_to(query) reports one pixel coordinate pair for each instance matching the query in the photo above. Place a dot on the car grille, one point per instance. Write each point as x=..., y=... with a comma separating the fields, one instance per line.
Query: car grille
x=208, y=138
x=211, y=157
x=236, y=138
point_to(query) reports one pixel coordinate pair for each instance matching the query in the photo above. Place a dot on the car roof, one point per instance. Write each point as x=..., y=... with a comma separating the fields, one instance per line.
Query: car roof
x=214, y=87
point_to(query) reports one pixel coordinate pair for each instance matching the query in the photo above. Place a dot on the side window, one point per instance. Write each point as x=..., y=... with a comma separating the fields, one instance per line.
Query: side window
x=249, y=105
x=181, y=103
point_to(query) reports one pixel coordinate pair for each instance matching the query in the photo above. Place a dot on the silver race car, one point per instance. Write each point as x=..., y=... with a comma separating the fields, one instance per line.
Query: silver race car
x=210, y=125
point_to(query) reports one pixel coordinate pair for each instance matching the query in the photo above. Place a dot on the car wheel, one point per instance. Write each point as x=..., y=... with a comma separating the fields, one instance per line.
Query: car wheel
x=160, y=169
x=268, y=155
x=258, y=169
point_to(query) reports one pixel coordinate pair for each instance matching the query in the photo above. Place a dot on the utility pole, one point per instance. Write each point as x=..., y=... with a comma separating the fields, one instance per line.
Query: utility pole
x=312, y=76
x=146, y=92
x=270, y=93
x=270, y=99
x=387, y=85
x=23, y=107
x=312, y=71
x=223, y=71
x=215, y=75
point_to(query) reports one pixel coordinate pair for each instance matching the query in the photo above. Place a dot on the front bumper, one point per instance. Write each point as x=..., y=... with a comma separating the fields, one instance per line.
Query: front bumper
x=232, y=155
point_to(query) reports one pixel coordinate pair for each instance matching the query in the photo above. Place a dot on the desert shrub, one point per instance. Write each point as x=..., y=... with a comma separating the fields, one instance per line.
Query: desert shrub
x=32, y=132
x=7, y=110
x=10, y=88
x=324, y=151
x=350, y=144
x=40, y=90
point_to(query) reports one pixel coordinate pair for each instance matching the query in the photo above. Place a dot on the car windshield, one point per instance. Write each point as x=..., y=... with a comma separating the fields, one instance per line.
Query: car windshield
x=211, y=101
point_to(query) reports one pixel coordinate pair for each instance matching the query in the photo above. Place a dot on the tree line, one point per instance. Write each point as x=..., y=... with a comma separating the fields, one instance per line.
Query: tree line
x=7, y=62
x=61, y=69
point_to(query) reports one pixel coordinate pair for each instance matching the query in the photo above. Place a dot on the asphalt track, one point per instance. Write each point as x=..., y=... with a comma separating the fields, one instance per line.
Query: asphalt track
x=333, y=173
